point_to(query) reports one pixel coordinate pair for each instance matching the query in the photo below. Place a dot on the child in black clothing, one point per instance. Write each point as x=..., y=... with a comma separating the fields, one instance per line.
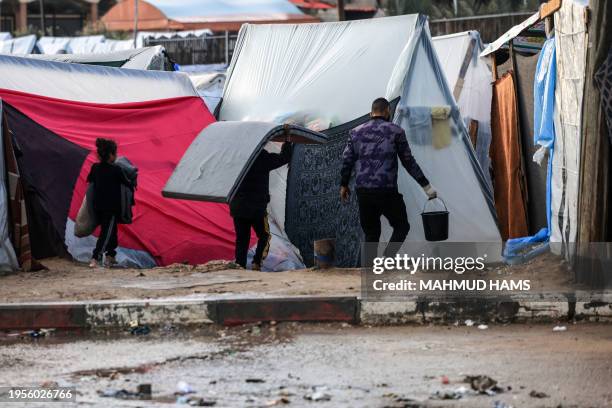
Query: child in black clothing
x=107, y=179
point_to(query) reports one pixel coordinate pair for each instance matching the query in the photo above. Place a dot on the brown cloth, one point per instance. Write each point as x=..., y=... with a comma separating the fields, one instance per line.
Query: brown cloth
x=508, y=178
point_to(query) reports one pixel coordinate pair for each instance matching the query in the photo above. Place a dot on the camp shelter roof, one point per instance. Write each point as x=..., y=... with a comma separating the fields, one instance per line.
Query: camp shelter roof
x=217, y=15
x=468, y=75
x=86, y=83
x=223, y=153
x=142, y=58
x=510, y=34
x=19, y=45
x=69, y=45
x=5, y=36
x=334, y=70
x=187, y=10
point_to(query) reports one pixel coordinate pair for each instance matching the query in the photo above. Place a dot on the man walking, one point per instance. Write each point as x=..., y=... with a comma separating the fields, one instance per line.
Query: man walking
x=249, y=206
x=373, y=148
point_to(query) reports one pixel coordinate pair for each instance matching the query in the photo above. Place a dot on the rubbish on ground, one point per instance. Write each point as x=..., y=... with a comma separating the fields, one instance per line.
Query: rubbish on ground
x=195, y=401
x=318, y=394
x=483, y=384
x=140, y=330
x=444, y=380
x=559, y=328
x=469, y=323
x=483, y=326
x=255, y=380
x=501, y=404
x=538, y=394
x=144, y=390
x=125, y=394
x=39, y=333
x=183, y=388
x=280, y=401
x=448, y=394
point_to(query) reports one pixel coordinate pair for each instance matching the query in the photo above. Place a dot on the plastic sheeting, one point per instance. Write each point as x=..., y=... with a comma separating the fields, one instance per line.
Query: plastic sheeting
x=470, y=77
x=8, y=259
x=332, y=70
x=149, y=58
x=571, y=48
x=144, y=35
x=19, y=45
x=210, y=87
x=510, y=34
x=453, y=170
x=5, y=36
x=69, y=45
x=85, y=83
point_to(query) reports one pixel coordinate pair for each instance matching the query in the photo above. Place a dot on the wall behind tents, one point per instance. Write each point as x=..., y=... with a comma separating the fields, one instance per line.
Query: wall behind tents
x=490, y=26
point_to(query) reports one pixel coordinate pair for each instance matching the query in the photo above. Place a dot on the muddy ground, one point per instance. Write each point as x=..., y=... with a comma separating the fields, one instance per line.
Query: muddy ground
x=284, y=365
x=68, y=281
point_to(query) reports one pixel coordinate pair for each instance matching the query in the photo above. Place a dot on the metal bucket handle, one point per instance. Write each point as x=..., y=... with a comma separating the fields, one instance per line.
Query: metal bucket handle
x=430, y=200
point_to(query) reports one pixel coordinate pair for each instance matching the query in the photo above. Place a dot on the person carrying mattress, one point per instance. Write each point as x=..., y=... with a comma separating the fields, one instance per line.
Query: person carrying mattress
x=249, y=206
x=373, y=148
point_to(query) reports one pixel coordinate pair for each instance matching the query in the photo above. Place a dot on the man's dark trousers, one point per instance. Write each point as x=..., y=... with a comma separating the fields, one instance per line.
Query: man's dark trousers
x=374, y=203
x=243, y=226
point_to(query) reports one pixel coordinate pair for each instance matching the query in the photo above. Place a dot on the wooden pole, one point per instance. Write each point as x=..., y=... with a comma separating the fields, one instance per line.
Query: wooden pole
x=341, y=13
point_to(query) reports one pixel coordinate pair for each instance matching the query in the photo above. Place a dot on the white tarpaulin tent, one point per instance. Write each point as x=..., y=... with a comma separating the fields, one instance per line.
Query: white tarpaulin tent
x=19, y=45
x=5, y=36
x=469, y=77
x=69, y=45
x=210, y=87
x=148, y=58
x=333, y=71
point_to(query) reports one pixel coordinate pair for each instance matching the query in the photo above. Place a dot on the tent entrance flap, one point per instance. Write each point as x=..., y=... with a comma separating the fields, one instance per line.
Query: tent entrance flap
x=218, y=159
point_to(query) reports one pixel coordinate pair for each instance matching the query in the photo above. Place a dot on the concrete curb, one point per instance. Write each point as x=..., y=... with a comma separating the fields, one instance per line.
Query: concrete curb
x=186, y=312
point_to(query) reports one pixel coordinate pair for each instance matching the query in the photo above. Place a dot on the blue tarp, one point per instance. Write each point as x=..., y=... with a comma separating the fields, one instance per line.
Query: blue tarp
x=520, y=250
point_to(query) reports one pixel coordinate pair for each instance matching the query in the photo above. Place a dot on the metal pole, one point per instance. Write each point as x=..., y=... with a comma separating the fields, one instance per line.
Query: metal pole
x=455, y=7
x=135, y=23
x=341, y=14
x=226, y=47
x=42, y=16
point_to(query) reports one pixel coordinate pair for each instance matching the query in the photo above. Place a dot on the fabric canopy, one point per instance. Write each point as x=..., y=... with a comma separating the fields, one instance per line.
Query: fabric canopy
x=154, y=117
x=330, y=70
x=19, y=45
x=148, y=58
x=216, y=162
x=328, y=74
x=68, y=45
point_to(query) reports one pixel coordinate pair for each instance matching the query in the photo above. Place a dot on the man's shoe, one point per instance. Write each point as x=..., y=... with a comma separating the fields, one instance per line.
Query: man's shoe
x=93, y=263
x=256, y=267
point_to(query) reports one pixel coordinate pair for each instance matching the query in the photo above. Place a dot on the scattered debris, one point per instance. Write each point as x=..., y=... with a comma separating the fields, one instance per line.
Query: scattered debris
x=449, y=394
x=538, y=394
x=559, y=328
x=279, y=401
x=255, y=380
x=483, y=384
x=137, y=329
x=483, y=326
x=39, y=333
x=444, y=380
x=318, y=394
x=183, y=388
x=195, y=401
x=469, y=323
x=143, y=393
x=501, y=404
